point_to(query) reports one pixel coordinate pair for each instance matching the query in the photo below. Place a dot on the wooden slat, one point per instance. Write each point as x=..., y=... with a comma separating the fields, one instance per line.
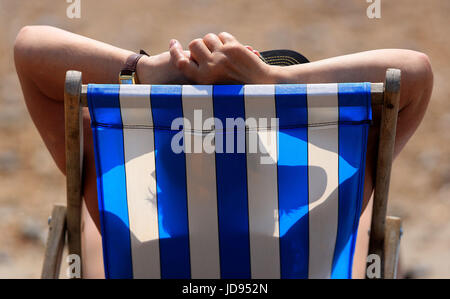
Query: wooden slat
x=55, y=243
x=386, y=144
x=377, y=90
x=392, y=246
x=74, y=159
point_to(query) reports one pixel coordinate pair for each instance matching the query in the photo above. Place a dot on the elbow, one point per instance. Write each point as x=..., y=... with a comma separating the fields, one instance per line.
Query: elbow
x=27, y=45
x=420, y=69
x=22, y=45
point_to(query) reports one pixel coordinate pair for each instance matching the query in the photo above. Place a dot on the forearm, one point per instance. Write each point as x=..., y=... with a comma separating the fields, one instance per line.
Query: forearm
x=43, y=54
x=369, y=66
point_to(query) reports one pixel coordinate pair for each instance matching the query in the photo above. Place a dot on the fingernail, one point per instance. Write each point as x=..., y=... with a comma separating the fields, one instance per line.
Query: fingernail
x=172, y=42
x=257, y=53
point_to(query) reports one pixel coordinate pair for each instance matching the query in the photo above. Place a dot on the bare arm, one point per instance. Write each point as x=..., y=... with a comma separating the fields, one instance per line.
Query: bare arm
x=43, y=55
x=224, y=59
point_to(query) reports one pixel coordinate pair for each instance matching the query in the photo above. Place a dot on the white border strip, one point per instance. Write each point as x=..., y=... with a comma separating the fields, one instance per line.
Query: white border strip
x=201, y=188
x=323, y=174
x=262, y=186
x=139, y=149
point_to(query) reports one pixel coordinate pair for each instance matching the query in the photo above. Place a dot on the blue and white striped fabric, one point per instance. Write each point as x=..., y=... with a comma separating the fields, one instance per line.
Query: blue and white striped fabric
x=289, y=209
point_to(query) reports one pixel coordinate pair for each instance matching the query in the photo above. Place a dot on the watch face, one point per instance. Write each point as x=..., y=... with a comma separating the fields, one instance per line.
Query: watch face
x=127, y=79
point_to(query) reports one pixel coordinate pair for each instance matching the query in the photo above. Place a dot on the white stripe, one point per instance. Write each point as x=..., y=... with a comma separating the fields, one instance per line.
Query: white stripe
x=323, y=176
x=139, y=151
x=201, y=187
x=262, y=185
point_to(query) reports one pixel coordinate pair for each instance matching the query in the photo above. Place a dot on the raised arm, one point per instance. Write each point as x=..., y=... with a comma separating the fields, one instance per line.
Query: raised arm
x=43, y=55
x=222, y=59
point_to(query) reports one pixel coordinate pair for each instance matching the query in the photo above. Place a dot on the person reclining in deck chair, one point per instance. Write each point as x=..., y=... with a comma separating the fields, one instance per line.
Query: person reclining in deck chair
x=43, y=55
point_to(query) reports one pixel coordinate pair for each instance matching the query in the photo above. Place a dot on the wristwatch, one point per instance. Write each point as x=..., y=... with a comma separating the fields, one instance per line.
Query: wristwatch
x=128, y=74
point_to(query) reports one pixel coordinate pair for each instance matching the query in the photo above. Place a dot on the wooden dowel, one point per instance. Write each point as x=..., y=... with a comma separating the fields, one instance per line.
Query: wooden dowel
x=386, y=144
x=74, y=159
x=377, y=90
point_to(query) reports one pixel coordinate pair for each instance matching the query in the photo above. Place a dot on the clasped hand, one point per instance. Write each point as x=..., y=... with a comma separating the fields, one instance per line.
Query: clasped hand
x=220, y=59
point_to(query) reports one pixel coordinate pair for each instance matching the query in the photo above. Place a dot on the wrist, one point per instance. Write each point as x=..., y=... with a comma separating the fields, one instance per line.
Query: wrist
x=279, y=75
x=158, y=69
x=145, y=70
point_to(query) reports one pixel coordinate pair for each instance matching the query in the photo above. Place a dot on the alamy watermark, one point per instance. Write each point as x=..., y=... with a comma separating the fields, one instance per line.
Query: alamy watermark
x=251, y=136
x=374, y=9
x=74, y=9
x=373, y=270
x=74, y=266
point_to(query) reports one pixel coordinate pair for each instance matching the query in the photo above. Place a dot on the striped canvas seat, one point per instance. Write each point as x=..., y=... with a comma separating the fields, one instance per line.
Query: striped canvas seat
x=255, y=181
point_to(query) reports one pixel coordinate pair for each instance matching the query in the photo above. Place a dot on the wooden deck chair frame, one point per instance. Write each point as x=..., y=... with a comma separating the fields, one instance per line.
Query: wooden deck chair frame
x=385, y=231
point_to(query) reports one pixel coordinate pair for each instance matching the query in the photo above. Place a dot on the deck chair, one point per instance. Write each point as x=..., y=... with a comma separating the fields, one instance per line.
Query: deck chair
x=179, y=198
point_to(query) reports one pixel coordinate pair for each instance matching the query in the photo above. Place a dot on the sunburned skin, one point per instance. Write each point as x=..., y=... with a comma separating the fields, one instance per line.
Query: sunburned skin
x=43, y=55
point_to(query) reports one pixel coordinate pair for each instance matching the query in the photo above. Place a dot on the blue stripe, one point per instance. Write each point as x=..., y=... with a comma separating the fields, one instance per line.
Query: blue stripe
x=291, y=106
x=354, y=105
x=231, y=176
x=166, y=102
x=104, y=107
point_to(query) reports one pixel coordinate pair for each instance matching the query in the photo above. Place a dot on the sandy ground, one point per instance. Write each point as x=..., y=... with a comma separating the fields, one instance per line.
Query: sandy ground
x=30, y=182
